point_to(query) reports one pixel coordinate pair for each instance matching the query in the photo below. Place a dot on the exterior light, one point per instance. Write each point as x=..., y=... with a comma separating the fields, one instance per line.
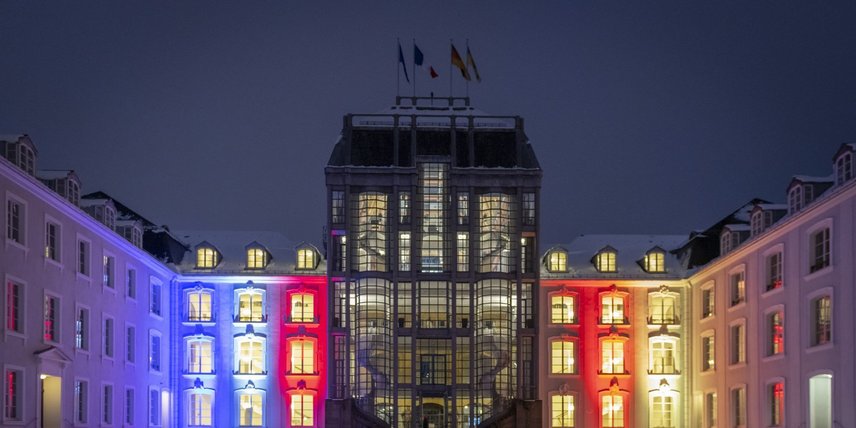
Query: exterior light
x=43, y=377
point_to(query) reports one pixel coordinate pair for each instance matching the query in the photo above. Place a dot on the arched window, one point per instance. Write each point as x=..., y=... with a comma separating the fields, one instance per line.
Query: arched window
x=662, y=354
x=206, y=258
x=844, y=168
x=662, y=307
x=256, y=258
x=200, y=355
x=199, y=305
x=302, y=356
x=604, y=261
x=612, y=356
x=612, y=308
x=557, y=261
x=562, y=309
x=302, y=410
x=302, y=307
x=251, y=305
x=562, y=357
x=306, y=258
x=612, y=410
x=200, y=405
x=250, y=408
x=250, y=355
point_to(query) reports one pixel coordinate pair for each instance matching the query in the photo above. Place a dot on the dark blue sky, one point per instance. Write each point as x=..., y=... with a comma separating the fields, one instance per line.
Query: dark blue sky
x=648, y=117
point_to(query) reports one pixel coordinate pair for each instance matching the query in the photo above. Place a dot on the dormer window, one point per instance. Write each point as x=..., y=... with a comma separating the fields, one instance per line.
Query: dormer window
x=844, y=168
x=22, y=153
x=655, y=261
x=110, y=217
x=557, y=261
x=257, y=258
x=306, y=258
x=207, y=257
x=604, y=261
x=795, y=199
x=727, y=241
x=757, y=222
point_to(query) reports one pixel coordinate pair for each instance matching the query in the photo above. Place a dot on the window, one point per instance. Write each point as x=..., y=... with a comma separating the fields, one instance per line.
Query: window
x=129, y=406
x=404, y=207
x=822, y=320
x=81, y=402
x=528, y=209
x=612, y=310
x=404, y=251
x=708, y=352
x=206, y=258
x=612, y=411
x=463, y=251
x=154, y=351
x=154, y=407
x=107, y=404
x=199, y=305
x=776, y=335
x=81, y=329
x=131, y=284
x=250, y=306
x=844, y=168
x=605, y=261
x=557, y=261
x=727, y=241
x=302, y=357
x=303, y=307
x=562, y=310
x=710, y=410
x=52, y=241
x=774, y=271
x=738, y=406
x=527, y=254
x=655, y=261
x=250, y=410
x=738, y=287
x=819, y=250
x=795, y=199
x=562, y=357
x=612, y=356
x=301, y=411
x=661, y=308
x=662, y=355
x=13, y=394
x=109, y=279
x=306, y=258
x=15, y=221
x=200, y=410
x=662, y=411
x=83, y=258
x=463, y=208
x=340, y=251
x=130, y=344
x=256, y=258
x=250, y=355
x=51, y=319
x=155, y=297
x=337, y=206
x=738, y=344
x=777, y=404
x=708, y=302
x=14, y=307
x=108, y=344
x=200, y=356
x=562, y=411
x=756, y=223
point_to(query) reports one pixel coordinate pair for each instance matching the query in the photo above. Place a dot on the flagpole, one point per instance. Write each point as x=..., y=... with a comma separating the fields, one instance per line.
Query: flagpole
x=414, y=70
x=397, y=69
x=468, y=82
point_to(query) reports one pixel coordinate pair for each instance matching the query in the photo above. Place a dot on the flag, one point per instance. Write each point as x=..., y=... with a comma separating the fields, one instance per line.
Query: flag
x=419, y=60
x=401, y=60
x=458, y=62
x=433, y=72
x=472, y=62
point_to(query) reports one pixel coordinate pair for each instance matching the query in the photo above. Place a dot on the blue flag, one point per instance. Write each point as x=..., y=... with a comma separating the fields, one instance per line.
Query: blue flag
x=401, y=60
x=417, y=55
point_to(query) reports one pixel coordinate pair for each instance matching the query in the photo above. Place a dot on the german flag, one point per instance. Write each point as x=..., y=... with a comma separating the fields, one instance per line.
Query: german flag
x=457, y=61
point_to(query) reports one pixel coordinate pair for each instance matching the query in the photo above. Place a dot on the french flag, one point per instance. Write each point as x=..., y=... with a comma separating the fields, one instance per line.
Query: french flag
x=419, y=59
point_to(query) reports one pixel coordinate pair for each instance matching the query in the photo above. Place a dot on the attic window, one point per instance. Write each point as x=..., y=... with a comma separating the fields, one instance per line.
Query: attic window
x=306, y=258
x=557, y=261
x=256, y=258
x=655, y=261
x=604, y=261
x=844, y=168
x=206, y=258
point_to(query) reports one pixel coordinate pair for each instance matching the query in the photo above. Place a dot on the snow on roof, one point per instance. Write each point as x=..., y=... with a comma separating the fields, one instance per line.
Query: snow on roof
x=53, y=174
x=12, y=137
x=813, y=179
x=738, y=227
x=433, y=117
x=232, y=246
x=94, y=202
x=630, y=250
x=772, y=207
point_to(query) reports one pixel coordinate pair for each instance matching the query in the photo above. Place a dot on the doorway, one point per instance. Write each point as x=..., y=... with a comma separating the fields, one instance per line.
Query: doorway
x=433, y=415
x=51, y=403
x=820, y=401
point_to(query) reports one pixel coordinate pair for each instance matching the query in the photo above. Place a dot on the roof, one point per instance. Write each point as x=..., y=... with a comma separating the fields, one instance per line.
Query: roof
x=630, y=248
x=771, y=207
x=813, y=179
x=89, y=202
x=232, y=246
x=54, y=174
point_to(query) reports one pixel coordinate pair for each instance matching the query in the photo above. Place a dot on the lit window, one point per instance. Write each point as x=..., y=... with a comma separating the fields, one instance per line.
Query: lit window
x=206, y=258
x=662, y=411
x=199, y=356
x=738, y=406
x=777, y=404
x=529, y=209
x=605, y=261
x=302, y=307
x=463, y=208
x=557, y=261
x=305, y=258
x=403, y=251
x=14, y=307
x=250, y=306
x=562, y=357
x=708, y=302
x=612, y=310
x=844, y=168
x=612, y=356
x=302, y=357
x=612, y=411
x=302, y=411
x=81, y=402
x=819, y=250
x=109, y=279
x=738, y=344
x=710, y=410
x=200, y=410
x=822, y=320
x=404, y=207
x=662, y=355
x=795, y=199
x=337, y=206
x=562, y=411
x=738, y=288
x=527, y=254
x=256, y=258
x=250, y=411
x=776, y=326
x=708, y=353
x=655, y=262
x=15, y=221
x=13, y=395
x=463, y=251
x=81, y=329
x=52, y=241
x=154, y=351
x=199, y=306
x=51, y=319
x=774, y=271
x=250, y=356
x=562, y=309
x=661, y=307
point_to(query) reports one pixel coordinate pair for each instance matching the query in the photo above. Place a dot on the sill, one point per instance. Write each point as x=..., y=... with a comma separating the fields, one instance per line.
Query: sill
x=197, y=374
x=81, y=351
x=237, y=373
x=16, y=244
x=671, y=373
x=735, y=366
x=708, y=318
x=574, y=323
x=195, y=322
x=84, y=277
x=708, y=372
x=772, y=291
x=615, y=324
x=156, y=316
x=621, y=374
x=17, y=334
x=820, y=348
x=562, y=375
x=55, y=263
x=738, y=305
x=774, y=357
x=302, y=374
x=109, y=288
x=820, y=272
x=131, y=299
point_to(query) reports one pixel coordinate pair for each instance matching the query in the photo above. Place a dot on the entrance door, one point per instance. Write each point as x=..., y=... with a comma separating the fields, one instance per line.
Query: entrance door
x=51, y=402
x=433, y=416
x=820, y=401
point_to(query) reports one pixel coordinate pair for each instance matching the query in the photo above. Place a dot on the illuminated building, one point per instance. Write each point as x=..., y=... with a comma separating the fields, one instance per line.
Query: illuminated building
x=432, y=220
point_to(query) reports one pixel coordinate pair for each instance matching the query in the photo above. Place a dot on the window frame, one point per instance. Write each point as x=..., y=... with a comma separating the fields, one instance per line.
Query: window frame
x=302, y=358
x=21, y=220
x=251, y=291
x=56, y=322
x=84, y=258
x=572, y=409
x=20, y=403
x=108, y=342
x=770, y=348
x=574, y=346
x=737, y=346
x=191, y=409
x=602, y=318
x=251, y=392
x=210, y=257
x=612, y=339
x=303, y=263
x=56, y=257
x=610, y=265
x=155, y=365
x=708, y=311
x=76, y=414
x=250, y=338
x=303, y=293
x=574, y=320
x=557, y=261
x=85, y=331
x=652, y=361
x=199, y=291
x=659, y=265
x=813, y=268
x=708, y=364
x=21, y=309
x=257, y=257
x=190, y=365
x=770, y=282
x=737, y=296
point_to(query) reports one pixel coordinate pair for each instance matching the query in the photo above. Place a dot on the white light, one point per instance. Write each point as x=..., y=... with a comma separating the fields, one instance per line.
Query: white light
x=43, y=377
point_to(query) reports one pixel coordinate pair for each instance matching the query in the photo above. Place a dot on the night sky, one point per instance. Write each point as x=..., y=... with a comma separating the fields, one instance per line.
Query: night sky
x=647, y=117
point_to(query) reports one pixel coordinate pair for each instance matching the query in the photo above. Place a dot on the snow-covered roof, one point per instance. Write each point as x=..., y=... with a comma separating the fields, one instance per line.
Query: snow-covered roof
x=53, y=174
x=232, y=246
x=772, y=207
x=94, y=202
x=630, y=250
x=433, y=117
x=12, y=137
x=812, y=179
x=737, y=227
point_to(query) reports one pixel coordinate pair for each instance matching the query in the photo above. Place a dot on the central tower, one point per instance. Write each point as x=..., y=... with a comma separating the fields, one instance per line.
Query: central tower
x=433, y=223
